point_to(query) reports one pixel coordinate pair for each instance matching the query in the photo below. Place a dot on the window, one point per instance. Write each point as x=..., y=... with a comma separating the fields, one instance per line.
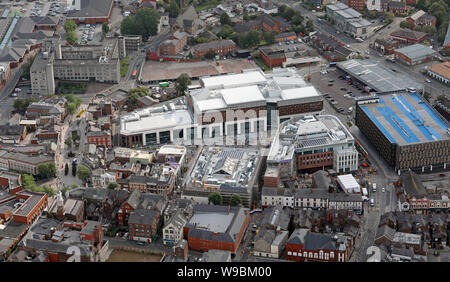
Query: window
x=331, y=255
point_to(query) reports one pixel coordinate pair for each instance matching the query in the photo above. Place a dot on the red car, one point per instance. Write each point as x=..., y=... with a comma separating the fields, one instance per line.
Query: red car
x=442, y=175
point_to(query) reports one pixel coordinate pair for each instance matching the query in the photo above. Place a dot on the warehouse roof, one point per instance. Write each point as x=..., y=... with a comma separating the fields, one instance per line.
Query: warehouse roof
x=416, y=51
x=378, y=77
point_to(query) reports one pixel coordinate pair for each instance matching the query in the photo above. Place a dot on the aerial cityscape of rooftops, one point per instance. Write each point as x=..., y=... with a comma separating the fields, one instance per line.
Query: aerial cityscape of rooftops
x=225, y=131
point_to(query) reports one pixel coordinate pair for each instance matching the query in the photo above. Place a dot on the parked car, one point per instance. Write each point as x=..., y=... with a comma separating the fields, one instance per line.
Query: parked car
x=344, y=89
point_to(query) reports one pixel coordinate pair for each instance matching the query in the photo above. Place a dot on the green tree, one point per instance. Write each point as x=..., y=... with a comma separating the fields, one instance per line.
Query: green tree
x=68, y=142
x=105, y=28
x=134, y=94
x=210, y=55
x=112, y=185
x=174, y=10
x=47, y=170
x=225, y=19
x=252, y=38
x=71, y=37
x=20, y=105
x=128, y=26
x=83, y=173
x=269, y=37
x=389, y=17
x=147, y=19
x=71, y=108
x=297, y=19
x=309, y=26
x=430, y=29
x=423, y=4
x=246, y=18
x=215, y=198
x=74, y=169
x=405, y=24
x=226, y=32
x=182, y=83
x=70, y=25
x=235, y=200
x=66, y=169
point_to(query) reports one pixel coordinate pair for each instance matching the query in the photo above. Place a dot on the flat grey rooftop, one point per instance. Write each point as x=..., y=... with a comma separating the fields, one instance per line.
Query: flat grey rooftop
x=378, y=77
x=212, y=221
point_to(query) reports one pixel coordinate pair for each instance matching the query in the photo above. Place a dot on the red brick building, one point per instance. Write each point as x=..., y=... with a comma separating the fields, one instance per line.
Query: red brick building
x=219, y=47
x=272, y=58
x=356, y=4
x=407, y=36
x=398, y=8
x=99, y=138
x=143, y=224
x=219, y=228
x=304, y=245
x=34, y=203
x=288, y=36
x=173, y=44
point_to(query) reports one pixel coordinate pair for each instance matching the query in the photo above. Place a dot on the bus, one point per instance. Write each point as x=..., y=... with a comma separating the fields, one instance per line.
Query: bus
x=164, y=84
x=134, y=73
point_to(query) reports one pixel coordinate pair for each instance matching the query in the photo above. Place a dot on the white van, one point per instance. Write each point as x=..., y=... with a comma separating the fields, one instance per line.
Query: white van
x=372, y=202
x=374, y=187
x=350, y=110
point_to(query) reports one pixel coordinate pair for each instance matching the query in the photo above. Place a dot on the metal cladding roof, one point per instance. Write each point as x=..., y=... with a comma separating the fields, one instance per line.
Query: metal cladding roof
x=404, y=118
x=416, y=51
x=376, y=76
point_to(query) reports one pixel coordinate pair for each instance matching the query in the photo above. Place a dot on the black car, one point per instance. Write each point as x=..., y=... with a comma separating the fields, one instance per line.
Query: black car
x=340, y=110
x=349, y=92
x=344, y=89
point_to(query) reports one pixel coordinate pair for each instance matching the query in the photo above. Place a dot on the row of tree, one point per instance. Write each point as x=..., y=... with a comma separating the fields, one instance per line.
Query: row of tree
x=69, y=27
x=216, y=199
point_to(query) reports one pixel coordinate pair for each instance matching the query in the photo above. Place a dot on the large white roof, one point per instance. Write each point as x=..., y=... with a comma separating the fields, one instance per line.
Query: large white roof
x=234, y=80
x=299, y=93
x=347, y=181
x=240, y=95
x=157, y=121
x=211, y=104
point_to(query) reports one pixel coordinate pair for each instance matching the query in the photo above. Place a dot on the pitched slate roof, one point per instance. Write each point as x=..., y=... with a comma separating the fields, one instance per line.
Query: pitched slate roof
x=143, y=216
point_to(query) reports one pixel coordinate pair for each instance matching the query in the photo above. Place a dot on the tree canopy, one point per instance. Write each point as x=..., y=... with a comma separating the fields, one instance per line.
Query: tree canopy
x=21, y=105
x=47, y=170
x=83, y=173
x=215, y=198
x=235, y=200
x=225, y=19
x=182, y=83
x=145, y=23
x=134, y=94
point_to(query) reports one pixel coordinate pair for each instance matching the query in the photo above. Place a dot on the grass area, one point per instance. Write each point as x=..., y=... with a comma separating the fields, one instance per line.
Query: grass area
x=72, y=88
x=124, y=63
x=207, y=4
